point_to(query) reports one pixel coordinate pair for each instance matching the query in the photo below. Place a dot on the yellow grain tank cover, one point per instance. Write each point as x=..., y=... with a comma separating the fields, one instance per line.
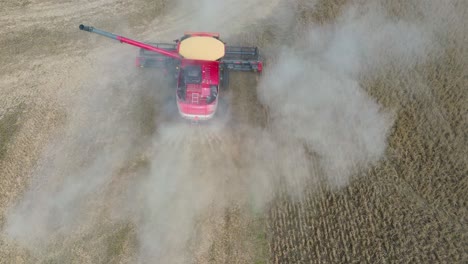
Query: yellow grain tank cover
x=201, y=48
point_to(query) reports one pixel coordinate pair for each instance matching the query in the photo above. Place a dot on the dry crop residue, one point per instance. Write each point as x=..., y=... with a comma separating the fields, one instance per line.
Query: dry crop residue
x=93, y=171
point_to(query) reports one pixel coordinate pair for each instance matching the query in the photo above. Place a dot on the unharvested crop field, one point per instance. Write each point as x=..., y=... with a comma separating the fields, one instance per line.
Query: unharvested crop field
x=351, y=147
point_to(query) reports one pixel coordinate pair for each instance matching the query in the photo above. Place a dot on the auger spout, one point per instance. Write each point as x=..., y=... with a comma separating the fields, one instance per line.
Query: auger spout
x=130, y=41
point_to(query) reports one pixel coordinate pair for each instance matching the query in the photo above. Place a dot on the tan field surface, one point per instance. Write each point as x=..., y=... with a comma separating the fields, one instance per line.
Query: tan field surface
x=350, y=147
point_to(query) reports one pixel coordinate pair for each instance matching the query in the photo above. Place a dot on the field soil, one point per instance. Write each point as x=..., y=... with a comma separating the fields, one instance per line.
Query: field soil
x=96, y=166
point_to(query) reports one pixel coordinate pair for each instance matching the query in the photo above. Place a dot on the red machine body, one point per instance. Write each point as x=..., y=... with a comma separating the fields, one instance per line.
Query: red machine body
x=200, y=100
x=200, y=64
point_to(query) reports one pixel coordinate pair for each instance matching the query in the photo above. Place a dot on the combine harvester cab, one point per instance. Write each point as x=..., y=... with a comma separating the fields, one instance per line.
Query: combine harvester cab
x=199, y=62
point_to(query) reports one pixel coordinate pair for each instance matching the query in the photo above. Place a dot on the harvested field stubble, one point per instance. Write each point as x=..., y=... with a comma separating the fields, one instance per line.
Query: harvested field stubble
x=351, y=147
x=411, y=206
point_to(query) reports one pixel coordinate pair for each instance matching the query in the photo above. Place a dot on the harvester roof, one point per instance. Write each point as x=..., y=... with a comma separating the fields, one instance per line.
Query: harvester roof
x=202, y=48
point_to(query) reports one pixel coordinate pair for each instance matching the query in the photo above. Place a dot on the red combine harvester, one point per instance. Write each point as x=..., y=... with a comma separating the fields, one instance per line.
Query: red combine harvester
x=200, y=63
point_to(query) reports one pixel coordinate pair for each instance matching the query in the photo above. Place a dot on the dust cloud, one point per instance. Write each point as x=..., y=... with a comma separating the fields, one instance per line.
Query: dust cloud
x=314, y=94
x=98, y=140
x=321, y=125
x=187, y=177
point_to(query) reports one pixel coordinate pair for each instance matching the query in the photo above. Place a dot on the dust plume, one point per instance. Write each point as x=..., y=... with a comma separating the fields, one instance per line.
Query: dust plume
x=186, y=175
x=321, y=124
x=314, y=93
x=98, y=140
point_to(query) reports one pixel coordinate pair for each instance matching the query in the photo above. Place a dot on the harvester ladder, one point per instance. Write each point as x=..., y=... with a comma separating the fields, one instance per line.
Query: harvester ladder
x=195, y=98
